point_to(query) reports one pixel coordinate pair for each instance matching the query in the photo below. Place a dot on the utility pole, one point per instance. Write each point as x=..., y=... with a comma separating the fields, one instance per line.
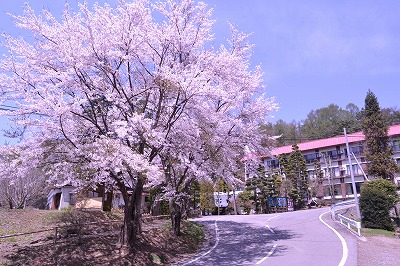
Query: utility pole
x=218, y=199
x=331, y=184
x=352, y=176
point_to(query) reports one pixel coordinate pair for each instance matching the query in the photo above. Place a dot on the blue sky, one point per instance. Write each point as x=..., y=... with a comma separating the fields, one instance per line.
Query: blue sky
x=313, y=53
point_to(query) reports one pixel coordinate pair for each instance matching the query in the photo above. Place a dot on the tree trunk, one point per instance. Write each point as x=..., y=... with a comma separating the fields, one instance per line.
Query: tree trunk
x=155, y=207
x=234, y=203
x=396, y=211
x=132, y=227
x=176, y=216
x=10, y=204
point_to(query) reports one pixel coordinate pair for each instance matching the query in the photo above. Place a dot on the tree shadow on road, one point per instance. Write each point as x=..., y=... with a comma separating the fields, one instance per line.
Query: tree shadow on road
x=240, y=244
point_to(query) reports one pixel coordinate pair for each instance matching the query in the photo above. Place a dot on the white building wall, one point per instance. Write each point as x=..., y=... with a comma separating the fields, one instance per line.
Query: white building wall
x=65, y=197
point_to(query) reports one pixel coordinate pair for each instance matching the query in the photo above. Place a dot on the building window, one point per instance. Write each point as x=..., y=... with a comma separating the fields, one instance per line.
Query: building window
x=330, y=172
x=333, y=154
x=357, y=150
x=349, y=189
x=311, y=174
x=310, y=158
x=335, y=171
x=358, y=187
x=326, y=191
x=338, y=190
x=356, y=169
x=272, y=164
x=396, y=145
x=93, y=194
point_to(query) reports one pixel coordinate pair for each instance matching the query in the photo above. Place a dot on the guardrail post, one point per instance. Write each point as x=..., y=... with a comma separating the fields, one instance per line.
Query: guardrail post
x=55, y=235
x=350, y=223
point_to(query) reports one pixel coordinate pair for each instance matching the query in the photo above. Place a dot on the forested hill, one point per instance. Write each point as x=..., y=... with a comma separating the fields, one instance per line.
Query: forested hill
x=324, y=123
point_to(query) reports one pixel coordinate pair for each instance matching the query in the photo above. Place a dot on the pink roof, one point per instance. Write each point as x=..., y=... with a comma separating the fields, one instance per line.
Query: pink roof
x=333, y=141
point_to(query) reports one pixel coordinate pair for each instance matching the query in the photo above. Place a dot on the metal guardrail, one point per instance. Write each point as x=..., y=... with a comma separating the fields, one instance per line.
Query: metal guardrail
x=340, y=204
x=349, y=222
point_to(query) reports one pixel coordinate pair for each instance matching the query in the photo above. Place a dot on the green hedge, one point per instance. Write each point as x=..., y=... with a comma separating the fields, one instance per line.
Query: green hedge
x=377, y=198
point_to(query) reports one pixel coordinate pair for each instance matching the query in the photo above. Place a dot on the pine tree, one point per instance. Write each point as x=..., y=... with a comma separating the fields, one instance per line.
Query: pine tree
x=318, y=181
x=297, y=174
x=285, y=183
x=252, y=185
x=264, y=186
x=378, y=152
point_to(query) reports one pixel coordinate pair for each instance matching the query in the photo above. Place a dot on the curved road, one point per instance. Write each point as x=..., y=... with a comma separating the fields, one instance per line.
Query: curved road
x=306, y=237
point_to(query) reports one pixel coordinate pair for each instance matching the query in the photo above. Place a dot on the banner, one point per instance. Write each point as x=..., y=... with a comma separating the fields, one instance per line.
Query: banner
x=277, y=202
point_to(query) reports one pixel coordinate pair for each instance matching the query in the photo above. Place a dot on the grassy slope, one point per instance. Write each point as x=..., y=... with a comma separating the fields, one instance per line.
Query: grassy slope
x=98, y=245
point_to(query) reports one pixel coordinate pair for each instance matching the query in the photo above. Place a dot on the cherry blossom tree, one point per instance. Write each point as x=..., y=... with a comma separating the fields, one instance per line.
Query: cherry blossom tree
x=18, y=170
x=134, y=96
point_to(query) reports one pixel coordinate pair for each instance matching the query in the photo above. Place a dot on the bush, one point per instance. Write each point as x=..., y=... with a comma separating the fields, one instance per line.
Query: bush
x=377, y=198
x=244, y=200
x=74, y=222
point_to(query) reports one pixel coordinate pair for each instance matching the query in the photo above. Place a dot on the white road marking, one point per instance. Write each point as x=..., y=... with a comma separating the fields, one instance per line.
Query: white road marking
x=272, y=217
x=269, y=228
x=213, y=247
x=345, y=250
x=274, y=247
x=268, y=255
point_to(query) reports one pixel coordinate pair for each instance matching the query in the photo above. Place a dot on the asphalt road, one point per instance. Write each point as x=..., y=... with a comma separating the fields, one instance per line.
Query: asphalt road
x=306, y=237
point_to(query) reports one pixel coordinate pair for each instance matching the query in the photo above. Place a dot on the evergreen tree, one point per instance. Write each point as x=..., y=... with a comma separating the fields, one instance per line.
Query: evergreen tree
x=264, y=186
x=378, y=152
x=297, y=175
x=206, y=196
x=261, y=189
x=319, y=177
x=285, y=184
x=245, y=200
x=252, y=184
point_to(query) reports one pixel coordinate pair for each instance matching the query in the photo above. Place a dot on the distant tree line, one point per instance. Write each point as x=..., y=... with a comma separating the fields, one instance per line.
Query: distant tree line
x=324, y=123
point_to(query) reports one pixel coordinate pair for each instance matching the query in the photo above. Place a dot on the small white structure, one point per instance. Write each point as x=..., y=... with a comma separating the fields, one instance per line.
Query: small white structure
x=223, y=199
x=60, y=197
x=65, y=196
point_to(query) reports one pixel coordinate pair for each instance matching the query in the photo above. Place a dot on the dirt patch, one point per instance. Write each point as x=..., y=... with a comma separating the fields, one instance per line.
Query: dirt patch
x=376, y=249
x=379, y=250
x=97, y=245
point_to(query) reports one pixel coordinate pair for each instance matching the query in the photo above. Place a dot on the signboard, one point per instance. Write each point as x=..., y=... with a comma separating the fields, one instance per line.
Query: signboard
x=277, y=202
x=290, y=205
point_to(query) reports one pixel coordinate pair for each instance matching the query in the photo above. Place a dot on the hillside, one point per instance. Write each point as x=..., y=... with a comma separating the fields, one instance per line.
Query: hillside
x=98, y=244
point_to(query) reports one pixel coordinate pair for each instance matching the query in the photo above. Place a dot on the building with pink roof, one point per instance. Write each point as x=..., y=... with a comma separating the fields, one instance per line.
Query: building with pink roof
x=331, y=153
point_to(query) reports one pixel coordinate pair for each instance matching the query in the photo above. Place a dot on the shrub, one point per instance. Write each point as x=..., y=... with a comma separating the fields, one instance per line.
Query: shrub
x=74, y=220
x=244, y=200
x=377, y=198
